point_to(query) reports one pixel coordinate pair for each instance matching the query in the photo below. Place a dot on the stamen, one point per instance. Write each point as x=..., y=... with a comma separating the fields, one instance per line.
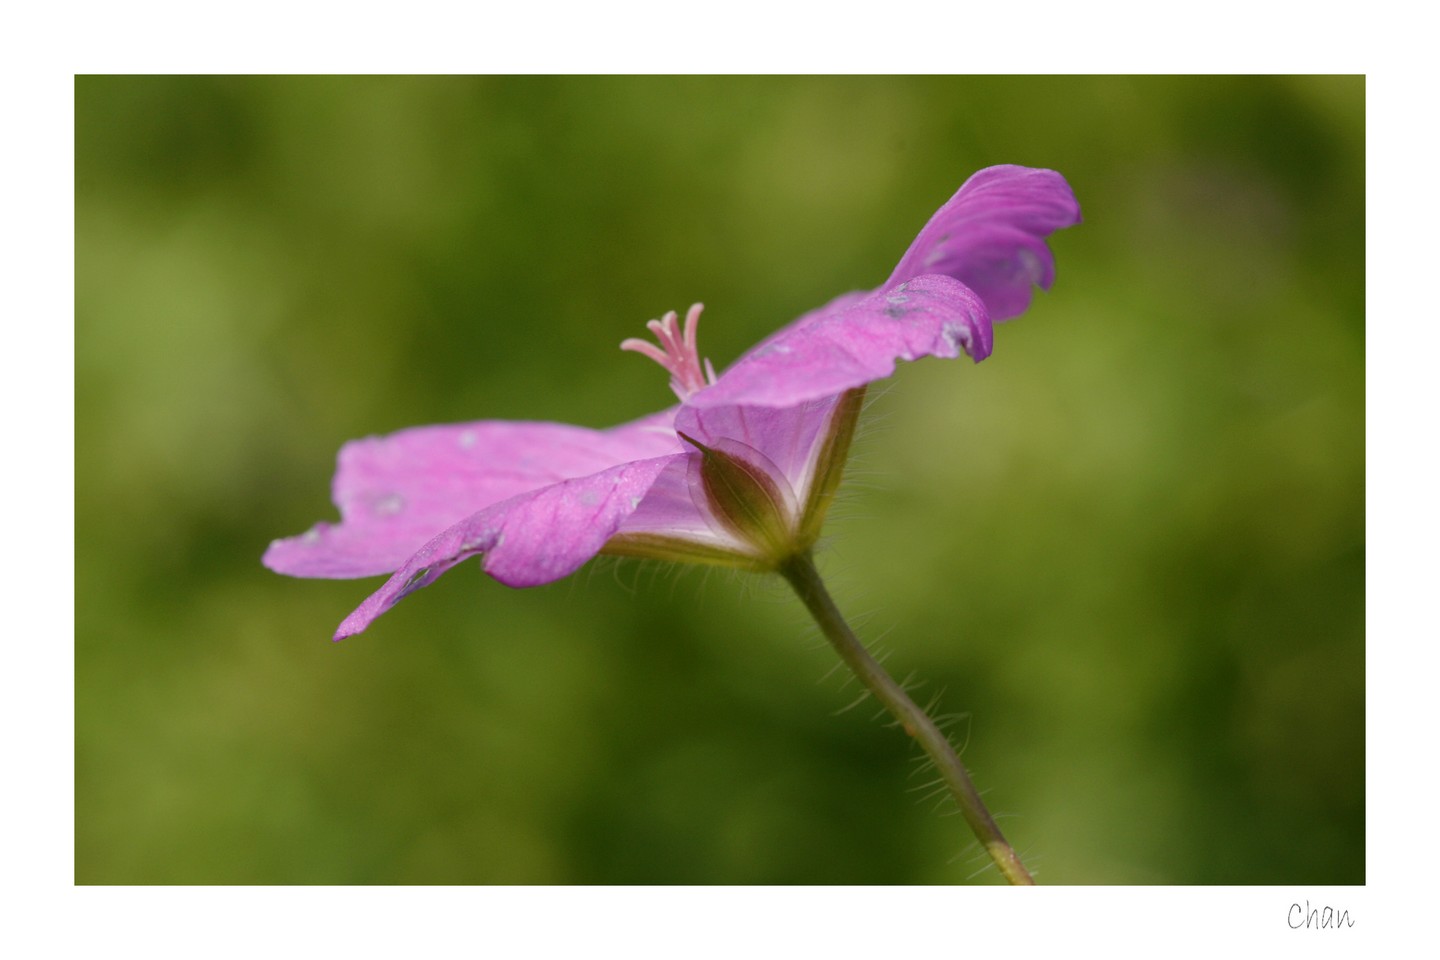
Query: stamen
x=678, y=351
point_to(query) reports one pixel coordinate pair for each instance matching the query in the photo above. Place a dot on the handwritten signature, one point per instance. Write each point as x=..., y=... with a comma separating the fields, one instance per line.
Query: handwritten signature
x=1320, y=918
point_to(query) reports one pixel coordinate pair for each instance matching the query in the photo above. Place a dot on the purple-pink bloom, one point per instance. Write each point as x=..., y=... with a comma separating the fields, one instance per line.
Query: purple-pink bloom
x=537, y=500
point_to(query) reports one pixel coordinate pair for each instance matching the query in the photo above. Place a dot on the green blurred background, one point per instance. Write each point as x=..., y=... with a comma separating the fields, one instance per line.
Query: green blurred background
x=1128, y=549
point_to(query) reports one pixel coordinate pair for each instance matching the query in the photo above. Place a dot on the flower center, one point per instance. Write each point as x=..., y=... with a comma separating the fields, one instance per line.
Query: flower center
x=677, y=352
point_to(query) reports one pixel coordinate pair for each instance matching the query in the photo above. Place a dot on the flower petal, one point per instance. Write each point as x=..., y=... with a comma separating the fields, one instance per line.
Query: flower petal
x=669, y=511
x=852, y=341
x=396, y=492
x=991, y=236
x=787, y=436
x=527, y=540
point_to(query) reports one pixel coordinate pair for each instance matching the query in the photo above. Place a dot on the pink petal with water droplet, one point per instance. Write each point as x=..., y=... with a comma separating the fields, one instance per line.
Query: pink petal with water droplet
x=854, y=340
x=991, y=236
x=398, y=491
x=527, y=540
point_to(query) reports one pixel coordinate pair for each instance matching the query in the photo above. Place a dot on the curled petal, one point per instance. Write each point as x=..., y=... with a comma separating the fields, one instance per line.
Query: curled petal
x=991, y=236
x=398, y=491
x=527, y=540
x=854, y=340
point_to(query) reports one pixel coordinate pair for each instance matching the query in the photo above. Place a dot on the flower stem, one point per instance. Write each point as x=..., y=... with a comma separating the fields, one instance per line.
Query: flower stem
x=801, y=573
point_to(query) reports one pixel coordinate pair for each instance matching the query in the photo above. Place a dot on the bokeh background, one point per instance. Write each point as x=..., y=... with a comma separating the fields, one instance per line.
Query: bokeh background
x=1127, y=552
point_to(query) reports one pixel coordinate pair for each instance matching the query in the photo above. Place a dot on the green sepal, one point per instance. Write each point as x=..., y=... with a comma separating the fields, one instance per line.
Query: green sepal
x=654, y=546
x=745, y=498
x=830, y=464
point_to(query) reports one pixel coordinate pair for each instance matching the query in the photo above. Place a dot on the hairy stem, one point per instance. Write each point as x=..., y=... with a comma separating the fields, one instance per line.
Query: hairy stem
x=802, y=575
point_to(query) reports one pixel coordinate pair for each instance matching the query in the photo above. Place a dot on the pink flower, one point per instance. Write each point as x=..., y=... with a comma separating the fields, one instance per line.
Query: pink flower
x=739, y=473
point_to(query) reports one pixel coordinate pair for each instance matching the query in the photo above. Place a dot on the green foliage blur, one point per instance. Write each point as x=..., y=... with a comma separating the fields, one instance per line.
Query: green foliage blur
x=1126, y=552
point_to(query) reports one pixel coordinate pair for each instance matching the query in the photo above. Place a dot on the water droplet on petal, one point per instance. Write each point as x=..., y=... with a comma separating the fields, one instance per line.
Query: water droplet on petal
x=467, y=439
x=480, y=542
x=389, y=505
x=1030, y=266
x=956, y=338
x=310, y=537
